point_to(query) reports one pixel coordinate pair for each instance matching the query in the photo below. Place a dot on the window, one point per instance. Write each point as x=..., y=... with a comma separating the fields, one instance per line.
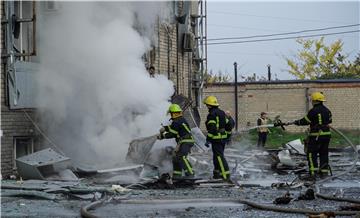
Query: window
x=22, y=147
x=51, y=5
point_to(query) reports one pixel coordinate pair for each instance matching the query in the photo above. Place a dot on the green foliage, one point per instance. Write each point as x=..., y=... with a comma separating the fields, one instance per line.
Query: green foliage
x=319, y=61
x=220, y=77
x=278, y=137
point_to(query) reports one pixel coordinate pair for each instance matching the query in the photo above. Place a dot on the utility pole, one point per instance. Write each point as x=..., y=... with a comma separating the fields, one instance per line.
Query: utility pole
x=236, y=97
x=269, y=72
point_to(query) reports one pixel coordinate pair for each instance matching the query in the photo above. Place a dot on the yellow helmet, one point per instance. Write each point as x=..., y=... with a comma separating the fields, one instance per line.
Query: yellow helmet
x=211, y=100
x=174, y=108
x=317, y=96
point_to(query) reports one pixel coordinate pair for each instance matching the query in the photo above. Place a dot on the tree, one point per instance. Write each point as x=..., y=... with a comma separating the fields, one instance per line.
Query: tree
x=220, y=77
x=316, y=60
x=345, y=70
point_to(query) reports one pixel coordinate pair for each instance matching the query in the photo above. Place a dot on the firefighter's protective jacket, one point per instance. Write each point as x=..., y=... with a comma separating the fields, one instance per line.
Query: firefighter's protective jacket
x=215, y=124
x=319, y=118
x=180, y=130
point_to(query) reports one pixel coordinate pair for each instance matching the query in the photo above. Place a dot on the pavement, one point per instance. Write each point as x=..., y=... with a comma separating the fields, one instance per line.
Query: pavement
x=258, y=176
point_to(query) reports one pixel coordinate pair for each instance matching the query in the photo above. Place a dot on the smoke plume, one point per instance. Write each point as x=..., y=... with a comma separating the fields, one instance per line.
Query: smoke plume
x=94, y=93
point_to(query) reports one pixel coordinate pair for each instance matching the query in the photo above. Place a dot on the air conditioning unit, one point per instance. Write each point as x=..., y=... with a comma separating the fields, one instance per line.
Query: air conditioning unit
x=188, y=42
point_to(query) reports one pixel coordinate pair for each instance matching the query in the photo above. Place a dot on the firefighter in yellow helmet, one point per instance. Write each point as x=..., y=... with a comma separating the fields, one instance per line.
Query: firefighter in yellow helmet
x=319, y=118
x=216, y=137
x=180, y=130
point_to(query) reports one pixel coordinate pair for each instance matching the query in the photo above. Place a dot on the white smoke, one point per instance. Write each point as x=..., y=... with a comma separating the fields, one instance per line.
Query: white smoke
x=95, y=94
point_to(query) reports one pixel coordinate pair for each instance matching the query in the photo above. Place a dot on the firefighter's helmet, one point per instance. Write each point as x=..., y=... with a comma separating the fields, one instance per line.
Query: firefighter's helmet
x=317, y=96
x=174, y=108
x=211, y=100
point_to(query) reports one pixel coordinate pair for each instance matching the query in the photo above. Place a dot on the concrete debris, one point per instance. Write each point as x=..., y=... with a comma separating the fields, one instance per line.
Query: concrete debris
x=258, y=182
x=308, y=195
x=64, y=175
x=38, y=185
x=149, y=171
x=119, y=189
x=285, y=158
x=26, y=193
x=42, y=164
x=216, y=185
x=92, y=196
x=283, y=199
x=121, y=169
x=295, y=147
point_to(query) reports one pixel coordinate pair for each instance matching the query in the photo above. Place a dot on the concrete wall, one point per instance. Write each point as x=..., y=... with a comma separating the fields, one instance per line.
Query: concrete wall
x=290, y=100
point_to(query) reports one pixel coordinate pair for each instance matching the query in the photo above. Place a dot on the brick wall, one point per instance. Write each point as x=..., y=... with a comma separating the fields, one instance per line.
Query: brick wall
x=13, y=122
x=179, y=60
x=289, y=100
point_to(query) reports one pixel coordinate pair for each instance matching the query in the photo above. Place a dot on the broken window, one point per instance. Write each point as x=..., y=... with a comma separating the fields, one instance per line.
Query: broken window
x=22, y=147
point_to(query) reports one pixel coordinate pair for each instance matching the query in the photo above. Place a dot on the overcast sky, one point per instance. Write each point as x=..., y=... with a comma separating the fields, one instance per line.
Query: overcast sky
x=240, y=18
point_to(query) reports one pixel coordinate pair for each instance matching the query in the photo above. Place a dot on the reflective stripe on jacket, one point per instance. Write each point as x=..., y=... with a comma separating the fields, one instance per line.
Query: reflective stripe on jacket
x=319, y=118
x=215, y=124
x=180, y=130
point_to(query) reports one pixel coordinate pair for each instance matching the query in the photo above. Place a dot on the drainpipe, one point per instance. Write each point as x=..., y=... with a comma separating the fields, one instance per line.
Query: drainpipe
x=10, y=66
x=189, y=75
x=307, y=103
x=177, y=57
x=168, y=50
x=236, y=97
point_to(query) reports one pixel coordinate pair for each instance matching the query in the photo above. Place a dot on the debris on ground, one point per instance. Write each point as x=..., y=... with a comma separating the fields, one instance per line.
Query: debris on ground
x=283, y=199
x=308, y=195
x=45, y=164
x=259, y=177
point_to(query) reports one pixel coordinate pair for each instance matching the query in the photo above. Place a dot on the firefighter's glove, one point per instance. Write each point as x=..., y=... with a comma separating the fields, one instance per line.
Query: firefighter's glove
x=160, y=136
x=290, y=123
x=207, y=144
x=162, y=130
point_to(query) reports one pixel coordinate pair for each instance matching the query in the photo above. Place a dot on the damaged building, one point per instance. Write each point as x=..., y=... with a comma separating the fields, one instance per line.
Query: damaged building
x=42, y=179
x=178, y=52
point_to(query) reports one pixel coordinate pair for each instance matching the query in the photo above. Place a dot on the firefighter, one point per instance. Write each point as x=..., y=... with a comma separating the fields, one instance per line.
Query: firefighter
x=180, y=130
x=262, y=131
x=216, y=137
x=319, y=118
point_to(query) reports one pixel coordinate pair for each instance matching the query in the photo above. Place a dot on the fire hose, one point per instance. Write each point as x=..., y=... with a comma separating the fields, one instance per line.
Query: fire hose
x=85, y=213
x=85, y=209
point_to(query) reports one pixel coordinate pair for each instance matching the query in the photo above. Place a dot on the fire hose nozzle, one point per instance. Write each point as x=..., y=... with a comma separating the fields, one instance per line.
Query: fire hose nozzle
x=278, y=122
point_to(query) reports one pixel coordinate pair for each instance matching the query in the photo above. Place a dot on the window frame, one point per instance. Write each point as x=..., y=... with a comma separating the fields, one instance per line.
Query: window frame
x=15, y=138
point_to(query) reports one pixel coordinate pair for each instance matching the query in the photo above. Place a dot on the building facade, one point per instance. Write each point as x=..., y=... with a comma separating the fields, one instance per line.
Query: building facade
x=176, y=55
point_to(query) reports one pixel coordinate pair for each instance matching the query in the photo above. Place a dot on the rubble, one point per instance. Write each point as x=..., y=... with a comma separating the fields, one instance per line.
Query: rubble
x=283, y=199
x=43, y=164
x=257, y=184
x=295, y=147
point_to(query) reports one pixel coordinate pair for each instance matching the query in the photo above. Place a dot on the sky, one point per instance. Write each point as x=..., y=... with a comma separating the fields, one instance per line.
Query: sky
x=243, y=18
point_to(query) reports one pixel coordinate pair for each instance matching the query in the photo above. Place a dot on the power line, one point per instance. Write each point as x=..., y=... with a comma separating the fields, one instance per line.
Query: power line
x=283, y=38
x=239, y=53
x=242, y=27
x=288, y=33
x=273, y=17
